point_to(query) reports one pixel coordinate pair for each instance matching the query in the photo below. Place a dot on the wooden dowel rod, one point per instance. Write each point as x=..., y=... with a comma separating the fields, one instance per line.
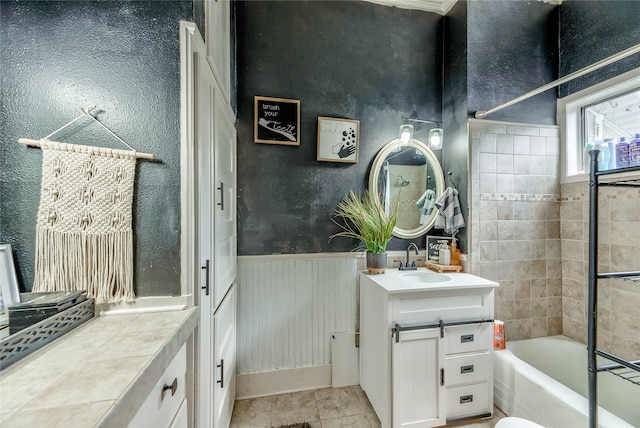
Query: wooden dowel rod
x=36, y=143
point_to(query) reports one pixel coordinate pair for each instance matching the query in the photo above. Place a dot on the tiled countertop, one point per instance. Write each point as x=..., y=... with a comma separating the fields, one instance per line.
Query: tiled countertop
x=97, y=375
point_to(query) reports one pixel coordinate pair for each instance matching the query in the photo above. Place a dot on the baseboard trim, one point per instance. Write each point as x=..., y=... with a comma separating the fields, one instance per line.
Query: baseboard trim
x=261, y=384
x=143, y=304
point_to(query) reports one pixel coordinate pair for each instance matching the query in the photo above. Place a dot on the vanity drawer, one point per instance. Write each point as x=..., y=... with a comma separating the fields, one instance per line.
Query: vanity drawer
x=468, y=338
x=448, y=305
x=162, y=403
x=468, y=368
x=468, y=400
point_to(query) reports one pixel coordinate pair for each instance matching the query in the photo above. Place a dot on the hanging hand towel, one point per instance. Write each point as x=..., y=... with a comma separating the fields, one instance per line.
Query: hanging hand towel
x=426, y=203
x=84, y=239
x=449, y=212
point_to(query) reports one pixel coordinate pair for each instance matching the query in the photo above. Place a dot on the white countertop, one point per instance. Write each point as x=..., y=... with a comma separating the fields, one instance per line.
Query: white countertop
x=392, y=281
x=97, y=375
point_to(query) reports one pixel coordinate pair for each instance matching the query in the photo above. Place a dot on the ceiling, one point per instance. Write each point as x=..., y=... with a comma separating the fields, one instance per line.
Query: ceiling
x=438, y=6
x=620, y=115
x=441, y=7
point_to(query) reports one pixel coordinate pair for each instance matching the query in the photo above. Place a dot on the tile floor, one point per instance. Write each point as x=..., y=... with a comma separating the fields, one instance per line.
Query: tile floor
x=322, y=408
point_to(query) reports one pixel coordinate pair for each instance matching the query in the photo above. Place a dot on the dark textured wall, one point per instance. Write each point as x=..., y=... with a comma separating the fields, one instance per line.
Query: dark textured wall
x=455, y=108
x=199, y=17
x=594, y=30
x=494, y=51
x=123, y=56
x=347, y=59
x=512, y=49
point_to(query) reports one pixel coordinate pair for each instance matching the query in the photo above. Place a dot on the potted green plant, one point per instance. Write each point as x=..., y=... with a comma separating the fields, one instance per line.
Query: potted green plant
x=364, y=219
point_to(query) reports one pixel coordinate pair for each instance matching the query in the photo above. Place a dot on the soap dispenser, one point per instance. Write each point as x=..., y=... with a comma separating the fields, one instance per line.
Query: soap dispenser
x=455, y=253
x=444, y=255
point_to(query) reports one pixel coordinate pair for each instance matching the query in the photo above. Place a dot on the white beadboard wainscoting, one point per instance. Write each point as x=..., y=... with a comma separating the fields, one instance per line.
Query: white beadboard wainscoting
x=288, y=307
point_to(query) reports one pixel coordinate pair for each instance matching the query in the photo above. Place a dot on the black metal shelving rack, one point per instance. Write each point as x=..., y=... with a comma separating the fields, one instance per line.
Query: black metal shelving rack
x=629, y=370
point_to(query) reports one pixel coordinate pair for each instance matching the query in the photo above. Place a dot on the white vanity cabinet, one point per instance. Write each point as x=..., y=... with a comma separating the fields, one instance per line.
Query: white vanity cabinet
x=436, y=366
x=224, y=387
x=469, y=370
x=209, y=135
x=416, y=373
x=224, y=240
x=166, y=404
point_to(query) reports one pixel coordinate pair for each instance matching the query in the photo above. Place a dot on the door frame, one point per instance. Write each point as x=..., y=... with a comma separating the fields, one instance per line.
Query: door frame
x=191, y=43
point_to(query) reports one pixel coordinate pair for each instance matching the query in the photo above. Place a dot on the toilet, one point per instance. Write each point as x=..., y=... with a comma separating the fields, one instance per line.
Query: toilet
x=513, y=422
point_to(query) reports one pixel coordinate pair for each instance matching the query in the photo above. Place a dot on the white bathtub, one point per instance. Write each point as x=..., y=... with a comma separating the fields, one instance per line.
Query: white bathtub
x=545, y=380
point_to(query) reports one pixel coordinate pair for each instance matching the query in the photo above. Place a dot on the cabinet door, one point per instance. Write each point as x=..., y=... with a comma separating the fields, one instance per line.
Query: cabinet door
x=225, y=197
x=181, y=420
x=204, y=138
x=225, y=358
x=417, y=378
x=218, y=16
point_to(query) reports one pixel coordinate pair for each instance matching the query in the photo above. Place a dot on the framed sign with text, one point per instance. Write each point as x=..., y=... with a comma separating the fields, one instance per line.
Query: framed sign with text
x=276, y=121
x=434, y=243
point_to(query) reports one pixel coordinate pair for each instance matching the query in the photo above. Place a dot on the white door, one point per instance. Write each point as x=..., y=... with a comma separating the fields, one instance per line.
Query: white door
x=225, y=359
x=204, y=129
x=418, y=379
x=225, y=197
x=218, y=44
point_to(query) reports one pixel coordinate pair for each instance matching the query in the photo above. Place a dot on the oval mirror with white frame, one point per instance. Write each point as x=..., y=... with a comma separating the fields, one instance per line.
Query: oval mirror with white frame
x=407, y=175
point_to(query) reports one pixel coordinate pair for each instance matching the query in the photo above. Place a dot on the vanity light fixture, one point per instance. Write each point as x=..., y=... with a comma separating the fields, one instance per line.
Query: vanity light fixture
x=435, y=138
x=436, y=135
x=406, y=132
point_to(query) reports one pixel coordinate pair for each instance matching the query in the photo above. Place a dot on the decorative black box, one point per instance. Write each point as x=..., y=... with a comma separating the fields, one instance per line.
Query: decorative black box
x=35, y=307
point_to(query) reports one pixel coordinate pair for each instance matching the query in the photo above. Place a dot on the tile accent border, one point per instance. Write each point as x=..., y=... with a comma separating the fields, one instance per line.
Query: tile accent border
x=615, y=194
x=524, y=197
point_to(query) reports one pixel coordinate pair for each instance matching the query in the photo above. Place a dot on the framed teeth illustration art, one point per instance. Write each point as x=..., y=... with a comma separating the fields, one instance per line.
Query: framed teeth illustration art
x=276, y=121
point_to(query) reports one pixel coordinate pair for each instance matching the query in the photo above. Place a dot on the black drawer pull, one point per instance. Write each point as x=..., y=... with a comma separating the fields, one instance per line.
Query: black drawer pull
x=206, y=278
x=466, y=338
x=464, y=399
x=221, y=367
x=466, y=369
x=221, y=189
x=173, y=388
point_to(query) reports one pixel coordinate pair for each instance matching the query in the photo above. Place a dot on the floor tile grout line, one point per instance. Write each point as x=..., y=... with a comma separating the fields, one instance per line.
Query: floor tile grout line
x=317, y=395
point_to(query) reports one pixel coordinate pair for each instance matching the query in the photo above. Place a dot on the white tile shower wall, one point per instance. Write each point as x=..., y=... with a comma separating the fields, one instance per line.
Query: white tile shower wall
x=618, y=251
x=405, y=191
x=289, y=305
x=515, y=222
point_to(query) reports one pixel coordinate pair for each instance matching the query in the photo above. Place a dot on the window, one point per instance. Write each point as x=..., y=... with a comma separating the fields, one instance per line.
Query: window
x=609, y=110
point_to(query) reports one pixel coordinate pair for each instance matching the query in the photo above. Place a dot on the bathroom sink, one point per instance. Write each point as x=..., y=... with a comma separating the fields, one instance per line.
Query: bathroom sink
x=423, y=277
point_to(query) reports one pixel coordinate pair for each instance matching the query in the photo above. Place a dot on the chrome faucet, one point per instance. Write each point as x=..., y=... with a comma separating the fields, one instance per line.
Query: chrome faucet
x=406, y=265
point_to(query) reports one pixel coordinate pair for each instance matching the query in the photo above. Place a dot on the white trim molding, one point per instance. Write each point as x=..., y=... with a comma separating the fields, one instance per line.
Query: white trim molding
x=143, y=305
x=262, y=384
x=568, y=118
x=440, y=7
x=190, y=41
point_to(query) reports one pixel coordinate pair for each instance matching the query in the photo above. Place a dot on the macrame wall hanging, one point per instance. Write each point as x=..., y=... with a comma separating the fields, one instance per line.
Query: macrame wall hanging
x=84, y=237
